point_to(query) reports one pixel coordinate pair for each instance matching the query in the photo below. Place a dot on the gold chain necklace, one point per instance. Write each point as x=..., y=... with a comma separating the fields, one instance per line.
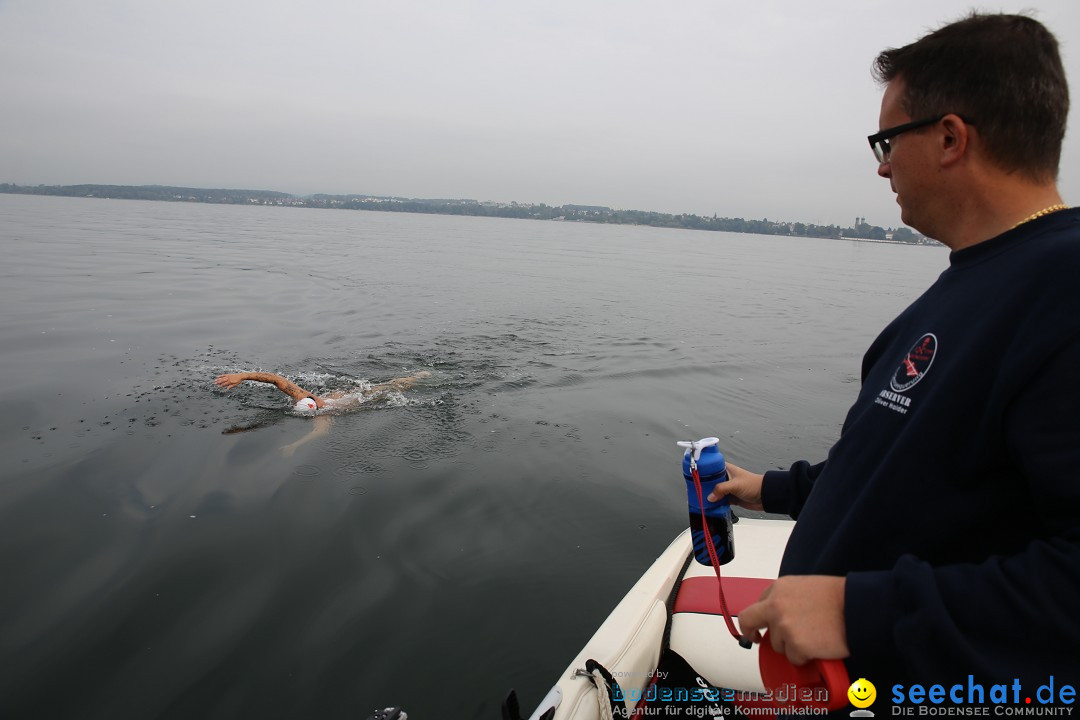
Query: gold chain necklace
x=1044, y=211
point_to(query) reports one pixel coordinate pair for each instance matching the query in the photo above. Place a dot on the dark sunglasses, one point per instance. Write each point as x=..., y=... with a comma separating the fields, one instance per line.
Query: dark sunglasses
x=879, y=141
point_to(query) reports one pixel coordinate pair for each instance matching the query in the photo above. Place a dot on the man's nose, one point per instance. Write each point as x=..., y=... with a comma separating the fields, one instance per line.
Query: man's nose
x=884, y=169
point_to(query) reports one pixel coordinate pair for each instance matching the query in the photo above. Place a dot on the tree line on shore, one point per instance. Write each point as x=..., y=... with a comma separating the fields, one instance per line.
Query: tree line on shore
x=569, y=213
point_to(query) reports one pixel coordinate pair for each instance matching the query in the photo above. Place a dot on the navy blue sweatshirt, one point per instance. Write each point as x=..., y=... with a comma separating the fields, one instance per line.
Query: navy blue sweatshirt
x=951, y=501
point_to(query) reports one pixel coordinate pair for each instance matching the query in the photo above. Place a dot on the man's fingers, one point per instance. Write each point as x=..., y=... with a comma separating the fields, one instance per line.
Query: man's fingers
x=742, y=487
x=780, y=643
x=719, y=491
x=804, y=615
x=795, y=657
x=730, y=487
x=752, y=620
x=777, y=641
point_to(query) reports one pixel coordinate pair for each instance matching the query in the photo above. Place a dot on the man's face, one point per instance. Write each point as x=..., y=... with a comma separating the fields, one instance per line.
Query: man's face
x=908, y=160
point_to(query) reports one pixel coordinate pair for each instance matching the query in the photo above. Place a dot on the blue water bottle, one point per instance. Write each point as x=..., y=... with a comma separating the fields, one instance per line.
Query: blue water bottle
x=711, y=470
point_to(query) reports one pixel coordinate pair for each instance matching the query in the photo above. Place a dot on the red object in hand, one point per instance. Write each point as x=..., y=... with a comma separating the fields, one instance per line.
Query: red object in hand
x=810, y=679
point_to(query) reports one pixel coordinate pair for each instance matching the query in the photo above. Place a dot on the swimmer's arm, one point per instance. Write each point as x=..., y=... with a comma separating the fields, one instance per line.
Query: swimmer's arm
x=322, y=425
x=401, y=384
x=285, y=385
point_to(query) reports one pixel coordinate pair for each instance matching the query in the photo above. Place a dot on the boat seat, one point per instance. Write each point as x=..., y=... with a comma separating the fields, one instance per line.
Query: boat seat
x=700, y=635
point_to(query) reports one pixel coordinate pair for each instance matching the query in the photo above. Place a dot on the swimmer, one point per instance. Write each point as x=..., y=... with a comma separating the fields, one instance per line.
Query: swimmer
x=305, y=401
x=308, y=403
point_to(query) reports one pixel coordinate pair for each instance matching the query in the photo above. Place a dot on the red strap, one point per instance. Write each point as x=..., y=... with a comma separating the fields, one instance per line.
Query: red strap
x=713, y=556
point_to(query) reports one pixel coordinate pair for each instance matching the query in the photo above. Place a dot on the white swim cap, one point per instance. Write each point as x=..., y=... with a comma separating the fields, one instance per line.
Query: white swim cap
x=305, y=405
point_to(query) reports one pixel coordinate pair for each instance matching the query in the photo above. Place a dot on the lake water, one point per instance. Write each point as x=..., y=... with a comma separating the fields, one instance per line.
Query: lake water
x=171, y=550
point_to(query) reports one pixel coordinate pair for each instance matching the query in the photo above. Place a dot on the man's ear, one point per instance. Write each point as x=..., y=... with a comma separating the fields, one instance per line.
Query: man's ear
x=954, y=140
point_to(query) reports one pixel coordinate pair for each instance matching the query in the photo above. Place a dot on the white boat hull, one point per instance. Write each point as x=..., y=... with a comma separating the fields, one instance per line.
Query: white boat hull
x=630, y=640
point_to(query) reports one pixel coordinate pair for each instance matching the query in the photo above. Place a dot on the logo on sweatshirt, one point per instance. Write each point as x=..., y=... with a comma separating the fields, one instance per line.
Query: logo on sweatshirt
x=915, y=364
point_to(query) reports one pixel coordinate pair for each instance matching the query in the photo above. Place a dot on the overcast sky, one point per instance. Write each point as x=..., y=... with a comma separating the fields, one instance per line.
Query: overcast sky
x=747, y=109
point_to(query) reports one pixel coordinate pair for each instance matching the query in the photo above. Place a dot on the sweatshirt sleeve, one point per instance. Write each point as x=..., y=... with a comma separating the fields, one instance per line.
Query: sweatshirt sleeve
x=1007, y=616
x=785, y=491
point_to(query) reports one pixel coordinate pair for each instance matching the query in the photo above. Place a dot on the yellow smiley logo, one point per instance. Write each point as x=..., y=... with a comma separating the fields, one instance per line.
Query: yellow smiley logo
x=862, y=693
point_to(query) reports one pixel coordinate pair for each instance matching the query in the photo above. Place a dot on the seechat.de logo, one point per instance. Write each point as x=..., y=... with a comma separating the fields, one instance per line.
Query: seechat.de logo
x=973, y=698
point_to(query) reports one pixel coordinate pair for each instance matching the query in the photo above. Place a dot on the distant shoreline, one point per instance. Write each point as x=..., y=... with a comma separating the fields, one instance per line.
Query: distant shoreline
x=567, y=213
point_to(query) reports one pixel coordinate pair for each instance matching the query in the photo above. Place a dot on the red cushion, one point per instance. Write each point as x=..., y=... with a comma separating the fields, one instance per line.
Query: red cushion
x=699, y=595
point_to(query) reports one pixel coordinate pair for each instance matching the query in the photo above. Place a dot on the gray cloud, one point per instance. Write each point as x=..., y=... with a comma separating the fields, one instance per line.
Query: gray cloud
x=697, y=106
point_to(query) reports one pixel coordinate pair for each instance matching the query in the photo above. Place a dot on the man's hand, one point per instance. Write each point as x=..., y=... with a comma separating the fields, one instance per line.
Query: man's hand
x=229, y=381
x=743, y=487
x=804, y=615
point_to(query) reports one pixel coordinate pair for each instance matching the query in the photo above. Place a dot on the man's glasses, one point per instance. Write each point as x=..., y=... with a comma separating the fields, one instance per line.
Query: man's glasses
x=879, y=141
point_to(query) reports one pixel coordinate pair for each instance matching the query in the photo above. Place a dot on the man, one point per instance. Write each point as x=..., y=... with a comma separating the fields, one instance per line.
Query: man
x=306, y=401
x=941, y=537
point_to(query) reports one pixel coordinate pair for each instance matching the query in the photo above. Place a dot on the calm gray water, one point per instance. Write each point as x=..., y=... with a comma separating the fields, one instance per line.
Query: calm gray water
x=431, y=550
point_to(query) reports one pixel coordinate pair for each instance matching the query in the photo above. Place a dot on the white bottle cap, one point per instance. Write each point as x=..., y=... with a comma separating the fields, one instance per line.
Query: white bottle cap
x=698, y=445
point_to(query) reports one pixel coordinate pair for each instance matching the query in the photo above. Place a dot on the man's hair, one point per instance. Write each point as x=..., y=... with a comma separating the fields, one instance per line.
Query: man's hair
x=1001, y=72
